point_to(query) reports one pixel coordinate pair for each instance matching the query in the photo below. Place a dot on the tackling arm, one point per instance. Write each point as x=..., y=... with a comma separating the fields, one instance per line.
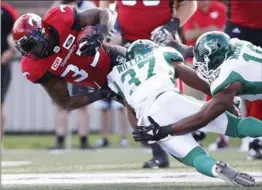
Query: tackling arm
x=211, y=110
x=57, y=90
x=185, y=11
x=104, y=17
x=189, y=76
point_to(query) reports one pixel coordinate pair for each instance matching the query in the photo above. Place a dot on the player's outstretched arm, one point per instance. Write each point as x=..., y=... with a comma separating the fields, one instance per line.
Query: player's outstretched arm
x=219, y=103
x=106, y=18
x=57, y=90
x=189, y=76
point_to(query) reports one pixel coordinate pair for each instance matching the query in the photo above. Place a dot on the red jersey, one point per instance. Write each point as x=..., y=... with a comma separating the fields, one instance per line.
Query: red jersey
x=245, y=13
x=215, y=16
x=138, y=18
x=67, y=63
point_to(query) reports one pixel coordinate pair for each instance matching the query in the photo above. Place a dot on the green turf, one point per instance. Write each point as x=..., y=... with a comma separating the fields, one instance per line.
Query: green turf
x=112, y=160
x=44, y=141
x=109, y=160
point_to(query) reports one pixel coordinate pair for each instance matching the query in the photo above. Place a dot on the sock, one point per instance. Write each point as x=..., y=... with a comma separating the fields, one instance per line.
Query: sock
x=158, y=152
x=204, y=164
x=83, y=140
x=243, y=127
x=60, y=139
x=199, y=159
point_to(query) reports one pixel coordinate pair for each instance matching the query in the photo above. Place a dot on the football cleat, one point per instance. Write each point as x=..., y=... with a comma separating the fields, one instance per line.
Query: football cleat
x=102, y=143
x=199, y=136
x=255, y=150
x=156, y=163
x=227, y=173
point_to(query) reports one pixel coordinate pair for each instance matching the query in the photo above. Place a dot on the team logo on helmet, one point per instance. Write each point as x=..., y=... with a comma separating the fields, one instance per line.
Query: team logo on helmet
x=208, y=48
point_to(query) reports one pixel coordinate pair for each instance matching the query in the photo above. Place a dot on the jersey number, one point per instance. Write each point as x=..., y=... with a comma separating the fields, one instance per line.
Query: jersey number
x=145, y=2
x=132, y=73
x=247, y=57
x=80, y=74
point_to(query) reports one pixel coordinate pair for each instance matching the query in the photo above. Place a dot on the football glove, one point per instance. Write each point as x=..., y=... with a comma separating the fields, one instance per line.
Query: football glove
x=153, y=132
x=98, y=94
x=90, y=45
x=164, y=34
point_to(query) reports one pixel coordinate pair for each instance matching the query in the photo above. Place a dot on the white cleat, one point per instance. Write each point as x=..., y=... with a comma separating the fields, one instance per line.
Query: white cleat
x=226, y=172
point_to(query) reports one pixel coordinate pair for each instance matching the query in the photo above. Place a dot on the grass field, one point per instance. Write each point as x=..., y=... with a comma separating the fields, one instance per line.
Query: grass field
x=106, y=169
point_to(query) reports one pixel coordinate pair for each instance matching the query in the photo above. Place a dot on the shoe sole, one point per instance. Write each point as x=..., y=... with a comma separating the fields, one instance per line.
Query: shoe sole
x=244, y=180
x=229, y=174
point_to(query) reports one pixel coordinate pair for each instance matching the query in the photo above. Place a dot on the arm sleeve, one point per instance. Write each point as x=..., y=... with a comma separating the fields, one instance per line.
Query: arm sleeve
x=32, y=71
x=223, y=80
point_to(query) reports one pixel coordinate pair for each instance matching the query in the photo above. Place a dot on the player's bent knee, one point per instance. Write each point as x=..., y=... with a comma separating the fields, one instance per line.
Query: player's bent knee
x=189, y=158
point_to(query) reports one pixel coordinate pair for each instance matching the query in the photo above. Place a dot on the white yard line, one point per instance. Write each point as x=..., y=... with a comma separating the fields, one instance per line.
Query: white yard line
x=14, y=163
x=109, y=178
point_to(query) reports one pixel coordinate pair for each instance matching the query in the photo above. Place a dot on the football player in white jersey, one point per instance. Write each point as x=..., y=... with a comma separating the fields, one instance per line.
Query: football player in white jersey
x=233, y=68
x=147, y=84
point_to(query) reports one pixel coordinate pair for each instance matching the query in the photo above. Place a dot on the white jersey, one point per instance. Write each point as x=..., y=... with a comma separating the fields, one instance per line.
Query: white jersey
x=245, y=66
x=146, y=77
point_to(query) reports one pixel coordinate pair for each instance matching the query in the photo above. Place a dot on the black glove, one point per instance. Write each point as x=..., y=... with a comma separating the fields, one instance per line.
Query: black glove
x=164, y=34
x=110, y=95
x=91, y=44
x=153, y=132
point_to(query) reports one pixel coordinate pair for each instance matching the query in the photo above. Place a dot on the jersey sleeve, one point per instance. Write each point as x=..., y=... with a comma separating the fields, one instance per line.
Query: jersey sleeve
x=112, y=84
x=171, y=54
x=223, y=77
x=63, y=16
x=32, y=70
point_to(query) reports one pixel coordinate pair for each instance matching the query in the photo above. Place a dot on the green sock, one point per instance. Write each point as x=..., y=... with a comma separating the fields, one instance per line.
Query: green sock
x=199, y=159
x=243, y=127
x=204, y=164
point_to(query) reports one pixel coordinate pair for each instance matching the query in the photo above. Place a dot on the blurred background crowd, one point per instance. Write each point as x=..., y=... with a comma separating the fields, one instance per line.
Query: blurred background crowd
x=27, y=109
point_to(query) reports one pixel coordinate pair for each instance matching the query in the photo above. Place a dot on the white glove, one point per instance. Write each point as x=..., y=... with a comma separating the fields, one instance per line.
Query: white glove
x=161, y=36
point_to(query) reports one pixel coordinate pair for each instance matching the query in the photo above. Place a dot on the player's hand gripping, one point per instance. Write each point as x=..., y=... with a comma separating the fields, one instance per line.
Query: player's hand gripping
x=162, y=35
x=153, y=132
x=91, y=44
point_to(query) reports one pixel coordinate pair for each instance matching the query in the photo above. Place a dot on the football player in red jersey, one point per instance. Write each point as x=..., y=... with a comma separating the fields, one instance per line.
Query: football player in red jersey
x=51, y=55
x=158, y=20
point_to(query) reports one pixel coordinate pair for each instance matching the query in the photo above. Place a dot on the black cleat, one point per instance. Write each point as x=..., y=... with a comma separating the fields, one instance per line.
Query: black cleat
x=156, y=163
x=255, y=150
x=199, y=136
x=102, y=143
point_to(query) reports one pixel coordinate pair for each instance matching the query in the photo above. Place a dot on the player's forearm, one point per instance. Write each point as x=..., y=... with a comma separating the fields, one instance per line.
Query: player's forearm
x=189, y=77
x=186, y=51
x=185, y=11
x=104, y=17
x=107, y=18
x=104, y=4
x=208, y=113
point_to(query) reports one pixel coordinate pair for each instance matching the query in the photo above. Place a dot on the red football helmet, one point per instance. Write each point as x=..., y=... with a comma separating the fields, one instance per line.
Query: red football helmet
x=30, y=36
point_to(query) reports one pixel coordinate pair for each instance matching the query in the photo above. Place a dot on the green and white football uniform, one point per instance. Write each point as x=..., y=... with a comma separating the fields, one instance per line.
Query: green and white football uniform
x=147, y=84
x=144, y=79
x=245, y=66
